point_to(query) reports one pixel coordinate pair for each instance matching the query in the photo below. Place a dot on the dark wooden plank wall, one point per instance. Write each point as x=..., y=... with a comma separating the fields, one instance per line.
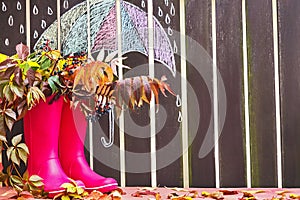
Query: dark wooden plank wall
x=230, y=65
x=42, y=15
x=261, y=93
x=202, y=173
x=168, y=138
x=13, y=15
x=289, y=36
x=137, y=124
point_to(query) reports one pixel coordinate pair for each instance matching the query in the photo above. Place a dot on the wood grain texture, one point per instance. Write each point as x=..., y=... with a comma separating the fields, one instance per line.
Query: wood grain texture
x=289, y=39
x=137, y=130
x=106, y=160
x=229, y=62
x=168, y=132
x=261, y=93
x=198, y=30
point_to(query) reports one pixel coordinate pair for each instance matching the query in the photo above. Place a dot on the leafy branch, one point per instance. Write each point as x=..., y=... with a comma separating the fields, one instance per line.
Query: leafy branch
x=17, y=153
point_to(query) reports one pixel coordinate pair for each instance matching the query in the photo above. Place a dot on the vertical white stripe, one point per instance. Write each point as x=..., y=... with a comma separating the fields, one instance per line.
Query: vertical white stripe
x=246, y=92
x=88, y=28
x=90, y=124
x=277, y=93
x=58, y=25
x=28, y=23
x=215, y=92
x=185, y=145
x=89, y=56
x=121, y=118
x=152, y=104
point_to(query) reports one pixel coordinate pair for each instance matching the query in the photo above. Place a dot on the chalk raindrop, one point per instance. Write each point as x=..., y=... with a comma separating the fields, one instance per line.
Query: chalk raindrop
x=143, y=4
x=4, y=8
x=172, y=10
x=19, y=6
x=43, y=24
x=66, y=4
x=35, y=10
x=170, y=31
x=175, y=47
x=167, y=2
x=179, y=119
x=10, y=20
x=21, y=29
x=35, y=34
x=50, y=11
x=167, y=19
x=6, y=42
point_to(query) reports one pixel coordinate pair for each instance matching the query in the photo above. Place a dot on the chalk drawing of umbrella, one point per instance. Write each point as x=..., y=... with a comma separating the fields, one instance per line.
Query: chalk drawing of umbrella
x=103, y=32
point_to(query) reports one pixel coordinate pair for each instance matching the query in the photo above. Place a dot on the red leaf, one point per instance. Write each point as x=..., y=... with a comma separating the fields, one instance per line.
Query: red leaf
x=7, y=64
x=228, y=192
x=147, y=88
x=136, y=87
x=30, y=76
x=18, y=76
x=22, y=51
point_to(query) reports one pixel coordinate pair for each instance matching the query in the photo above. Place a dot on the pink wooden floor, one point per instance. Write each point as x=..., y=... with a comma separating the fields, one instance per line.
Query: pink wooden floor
x=140, y=193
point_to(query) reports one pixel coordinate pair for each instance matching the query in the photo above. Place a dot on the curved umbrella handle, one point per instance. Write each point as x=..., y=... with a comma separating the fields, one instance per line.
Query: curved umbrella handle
x=111, y=130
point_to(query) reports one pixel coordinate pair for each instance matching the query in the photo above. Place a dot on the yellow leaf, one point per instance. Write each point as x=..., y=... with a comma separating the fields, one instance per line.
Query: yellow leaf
x=294, y=196
x=65, y=197
x=3, y=57
x=67, y=185
x=205, y=194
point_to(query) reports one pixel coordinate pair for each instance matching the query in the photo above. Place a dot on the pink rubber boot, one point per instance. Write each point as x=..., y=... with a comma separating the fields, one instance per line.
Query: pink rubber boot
x=41, y=131
x=71, y=152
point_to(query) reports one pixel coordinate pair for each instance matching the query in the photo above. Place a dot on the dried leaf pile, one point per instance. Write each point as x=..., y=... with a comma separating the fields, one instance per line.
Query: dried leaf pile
x=175, y=194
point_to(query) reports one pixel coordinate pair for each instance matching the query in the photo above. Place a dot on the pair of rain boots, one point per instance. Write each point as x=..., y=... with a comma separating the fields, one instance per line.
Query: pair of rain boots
x=55, y=134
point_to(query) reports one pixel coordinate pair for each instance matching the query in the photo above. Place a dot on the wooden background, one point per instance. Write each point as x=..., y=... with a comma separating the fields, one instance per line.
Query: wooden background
x=223, y=41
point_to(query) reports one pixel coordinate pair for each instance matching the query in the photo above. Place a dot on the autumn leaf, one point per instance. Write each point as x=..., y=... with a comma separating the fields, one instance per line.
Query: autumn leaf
x=140, y=193
x=17, y=90
x=30, y=75
x=215, y=195
x=229, y=192
x=3, y=58
x=22, y=51
x=138, y=90
x=2, y=129
x=18, y=76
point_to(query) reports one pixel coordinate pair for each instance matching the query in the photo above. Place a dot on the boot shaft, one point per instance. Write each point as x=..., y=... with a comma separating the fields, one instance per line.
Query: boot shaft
x=41, y=131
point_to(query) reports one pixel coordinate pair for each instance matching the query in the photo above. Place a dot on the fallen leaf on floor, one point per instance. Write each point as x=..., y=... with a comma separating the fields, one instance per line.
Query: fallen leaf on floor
x=294, y=196
x=95, y=195
x=282, y=192
x=25, y=198
x=144, y=192
x=253, y=191
x=25, y=195
x=148, y=188
x=120, y=190
x=190, y=195
x=178, y=189
x=229, y=192
x=9, y=194
x=249, y=195
x=214, y=195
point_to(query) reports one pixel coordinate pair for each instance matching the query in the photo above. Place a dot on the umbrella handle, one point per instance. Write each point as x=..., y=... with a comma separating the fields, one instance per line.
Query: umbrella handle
x=111, y=119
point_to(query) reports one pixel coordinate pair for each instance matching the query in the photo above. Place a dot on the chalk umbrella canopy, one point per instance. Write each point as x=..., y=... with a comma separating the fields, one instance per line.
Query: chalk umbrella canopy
x=103, y=31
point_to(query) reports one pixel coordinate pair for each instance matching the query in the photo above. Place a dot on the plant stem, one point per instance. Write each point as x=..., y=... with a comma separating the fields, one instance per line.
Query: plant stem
x=15, y=168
